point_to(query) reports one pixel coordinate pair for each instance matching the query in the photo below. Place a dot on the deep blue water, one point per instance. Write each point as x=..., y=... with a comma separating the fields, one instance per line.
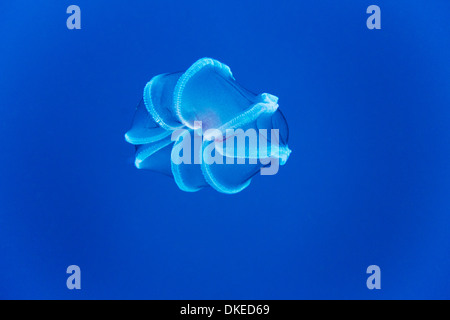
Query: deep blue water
x=368, y=181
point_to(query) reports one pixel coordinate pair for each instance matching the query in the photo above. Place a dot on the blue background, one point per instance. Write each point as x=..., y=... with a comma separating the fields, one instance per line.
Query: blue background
x=367, y=183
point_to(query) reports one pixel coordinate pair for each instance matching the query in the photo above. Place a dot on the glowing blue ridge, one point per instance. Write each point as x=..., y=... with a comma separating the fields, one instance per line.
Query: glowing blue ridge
x=184, y=79
x=148, y=99
x=136, y=140
x=181, y=182
x=149, y=150
x=217, y=185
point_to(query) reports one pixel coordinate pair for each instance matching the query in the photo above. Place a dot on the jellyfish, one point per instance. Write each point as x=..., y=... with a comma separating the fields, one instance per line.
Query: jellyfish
x=204, y=129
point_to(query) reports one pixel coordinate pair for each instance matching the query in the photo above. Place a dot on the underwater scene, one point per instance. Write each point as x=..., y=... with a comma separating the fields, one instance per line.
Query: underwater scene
x=225, y=149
